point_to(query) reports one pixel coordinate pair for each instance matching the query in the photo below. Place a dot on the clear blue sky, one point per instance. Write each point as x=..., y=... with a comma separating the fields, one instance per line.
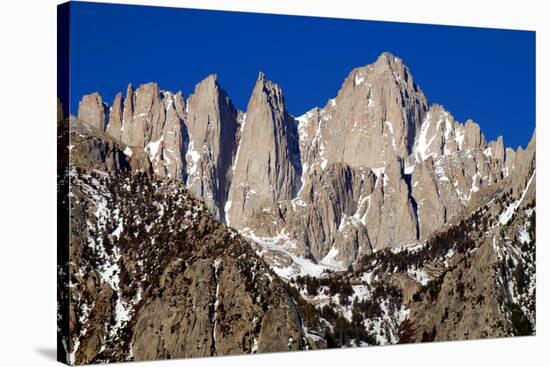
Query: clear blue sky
x=484, y=74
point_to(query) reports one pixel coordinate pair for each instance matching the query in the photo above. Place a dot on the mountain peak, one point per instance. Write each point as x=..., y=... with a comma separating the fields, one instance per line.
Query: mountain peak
x=149, y=85
x=387, y=60
x=386, y=65
x=267, y=168
x=93, y=110
x=129, y=92
x=261, y=76
x=210, y=82
x=211, y=78
x=211, y=122
x=270, y=89
x=436, y=107
x=266, y=84
x=388, y=57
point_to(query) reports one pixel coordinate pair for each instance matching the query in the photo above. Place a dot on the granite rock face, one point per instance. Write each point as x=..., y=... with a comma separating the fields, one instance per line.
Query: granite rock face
x=172, y=131
x=456, y=159
x=212, y=126
x=128, y=116
x=325, y=216
x=92, y=110
x=91, y=149
x=524, y=164
x=267, y=165
x=393, y=217
x=432, y=213
x=148, y=116
x=373, y=119
x=114, y=128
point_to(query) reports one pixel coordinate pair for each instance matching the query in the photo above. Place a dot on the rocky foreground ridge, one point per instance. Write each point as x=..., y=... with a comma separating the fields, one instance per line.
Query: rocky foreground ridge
x=376, y=219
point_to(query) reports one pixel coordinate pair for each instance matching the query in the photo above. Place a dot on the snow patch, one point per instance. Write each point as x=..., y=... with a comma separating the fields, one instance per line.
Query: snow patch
x=193, y=157
x=322, y=150
x=459, y=138
x=389, y=125
x=226, y=209
x=423, y=145
x=524, y=236
x=409, y=169
x=152, y=148
x=412, y=247
x=330, y=259
x=283, y=243
x=378, y=171
x=440, y=172
x=420, y=276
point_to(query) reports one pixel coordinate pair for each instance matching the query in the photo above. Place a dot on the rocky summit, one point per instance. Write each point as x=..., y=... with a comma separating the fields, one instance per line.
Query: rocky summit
x=198, y=229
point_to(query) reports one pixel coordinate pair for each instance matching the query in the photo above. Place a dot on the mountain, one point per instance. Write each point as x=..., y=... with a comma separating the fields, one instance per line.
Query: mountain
x=427, y=166
x=267, y=166
x=212, y=123
x=245, y=166
x=374, y=118
x=376, y=219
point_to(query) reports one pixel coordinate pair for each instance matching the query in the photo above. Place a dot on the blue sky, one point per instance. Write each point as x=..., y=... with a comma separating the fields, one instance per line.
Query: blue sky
x=484, y=74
